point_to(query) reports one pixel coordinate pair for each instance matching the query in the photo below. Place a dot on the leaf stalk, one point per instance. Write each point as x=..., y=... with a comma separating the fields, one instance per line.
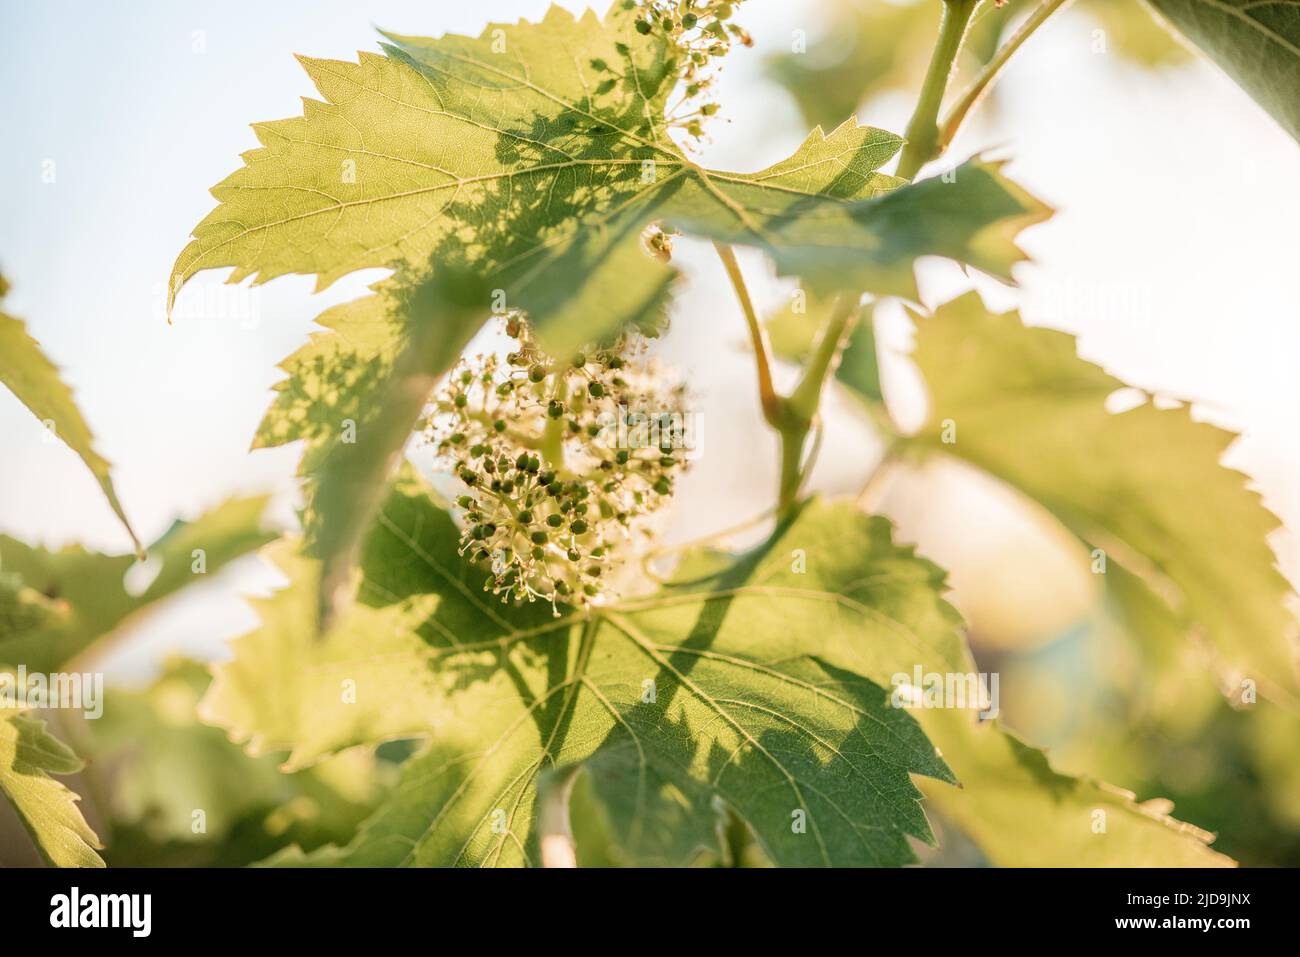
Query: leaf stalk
x=923, y=129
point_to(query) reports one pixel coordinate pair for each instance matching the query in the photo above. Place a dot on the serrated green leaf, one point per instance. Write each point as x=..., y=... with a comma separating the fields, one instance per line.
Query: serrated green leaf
x=1022, y=813
x=861, y=605
x=511, y=156
x=1256, y=43
x=30, y=376
x=720, y=690
x=1144, y=485
x=28, y=756
x=86, y=592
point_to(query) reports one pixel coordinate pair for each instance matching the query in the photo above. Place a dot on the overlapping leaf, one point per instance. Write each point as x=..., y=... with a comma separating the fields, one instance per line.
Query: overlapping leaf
x=29, y=375
x=758, y=680
x=717, y=691
x=1257, y=42
x=537, y=152
x=1144, y=485
x=29, y=755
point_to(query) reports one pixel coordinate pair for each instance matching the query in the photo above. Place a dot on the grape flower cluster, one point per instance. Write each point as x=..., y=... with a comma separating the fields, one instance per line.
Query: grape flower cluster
x=701, y=33
x=561, y=460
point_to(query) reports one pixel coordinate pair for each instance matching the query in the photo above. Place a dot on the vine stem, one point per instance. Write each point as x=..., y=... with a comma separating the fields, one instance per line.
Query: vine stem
x=956, y=115
x=923, y=128
x=800, y=409
x=793, y=416
x=767, y=393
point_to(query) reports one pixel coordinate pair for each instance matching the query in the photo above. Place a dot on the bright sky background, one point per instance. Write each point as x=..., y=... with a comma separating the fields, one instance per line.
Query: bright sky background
x=1175, y=255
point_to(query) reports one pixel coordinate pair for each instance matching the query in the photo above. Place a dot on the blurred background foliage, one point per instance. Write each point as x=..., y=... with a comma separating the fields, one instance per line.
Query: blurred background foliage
x=1133, y=705
x=861, y=49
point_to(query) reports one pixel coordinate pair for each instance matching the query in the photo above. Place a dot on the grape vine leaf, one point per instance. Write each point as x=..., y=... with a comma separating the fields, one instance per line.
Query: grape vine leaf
x=1023, y=813
x=1256, y=43
x=1144, y=485
x=539, y=152
x=28, y=374
x=29, y=755
x=425, y=658
x=714, y=691
x=1017, y=809
x=83, y=596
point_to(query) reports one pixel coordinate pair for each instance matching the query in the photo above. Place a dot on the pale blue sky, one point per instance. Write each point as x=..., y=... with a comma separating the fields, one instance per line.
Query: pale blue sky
x=1173, y=255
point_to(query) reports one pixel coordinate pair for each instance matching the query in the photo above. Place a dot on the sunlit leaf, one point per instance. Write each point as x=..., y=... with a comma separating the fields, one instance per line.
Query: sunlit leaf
x=48, y=809
x=1145, y=486
x=716, y=691
x=29, y=375
x=536, y=152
